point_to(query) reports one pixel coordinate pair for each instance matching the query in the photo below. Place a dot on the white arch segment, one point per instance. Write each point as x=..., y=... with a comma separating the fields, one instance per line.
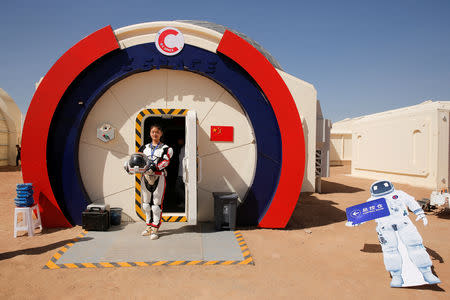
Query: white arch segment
x=146, y=33
x=102, y=172
x=226, y=166
x=230, y=170
x=109, y=110
x=192, y=91
x=141, y=90
x=225, y=112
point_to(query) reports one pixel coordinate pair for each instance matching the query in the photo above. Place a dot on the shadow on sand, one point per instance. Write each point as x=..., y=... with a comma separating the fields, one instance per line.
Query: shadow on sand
x=430, y=287
x=312, y=212
x=10, y=168
x=329, y=187
x=376, y=248
x=39, y=250
x=444, y=214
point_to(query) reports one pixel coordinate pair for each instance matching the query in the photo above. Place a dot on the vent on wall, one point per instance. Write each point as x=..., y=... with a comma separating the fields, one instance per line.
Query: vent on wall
x=318, y=163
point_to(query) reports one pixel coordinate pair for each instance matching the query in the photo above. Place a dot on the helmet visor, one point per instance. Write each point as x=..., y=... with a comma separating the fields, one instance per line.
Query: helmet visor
x=381, y=188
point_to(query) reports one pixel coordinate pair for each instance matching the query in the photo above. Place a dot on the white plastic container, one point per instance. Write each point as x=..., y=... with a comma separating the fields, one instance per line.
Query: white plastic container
x=101, y=206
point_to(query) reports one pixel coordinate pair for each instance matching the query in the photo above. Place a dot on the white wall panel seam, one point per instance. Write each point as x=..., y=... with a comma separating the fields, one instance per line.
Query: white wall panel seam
x=215, y=102
x=223, y=150
x=203, y=189
x=115, y=193
x=104, y=148
x=114, y=96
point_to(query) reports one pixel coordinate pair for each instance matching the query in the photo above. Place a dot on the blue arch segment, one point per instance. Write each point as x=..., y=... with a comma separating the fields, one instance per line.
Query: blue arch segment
x=81, y=96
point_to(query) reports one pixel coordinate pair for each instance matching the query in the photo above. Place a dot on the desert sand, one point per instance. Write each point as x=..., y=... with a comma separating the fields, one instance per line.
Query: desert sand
x=314, y=257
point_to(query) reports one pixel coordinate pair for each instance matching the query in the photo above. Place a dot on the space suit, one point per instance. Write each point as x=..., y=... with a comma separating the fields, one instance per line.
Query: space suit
x=153, y=185
x=398, y=221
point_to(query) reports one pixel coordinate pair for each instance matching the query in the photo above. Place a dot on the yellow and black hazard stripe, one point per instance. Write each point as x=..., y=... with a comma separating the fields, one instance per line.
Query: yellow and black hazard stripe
x=52, y=262
x=174, y=218
x=139, y=142
x=248, y=260
x=244, y=248
x=153, y=111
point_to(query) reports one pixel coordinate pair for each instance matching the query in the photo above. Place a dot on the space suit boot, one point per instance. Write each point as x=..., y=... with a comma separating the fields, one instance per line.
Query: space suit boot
x=397, y=280
x=428, y=276
x=154, y=233
x=147, y=231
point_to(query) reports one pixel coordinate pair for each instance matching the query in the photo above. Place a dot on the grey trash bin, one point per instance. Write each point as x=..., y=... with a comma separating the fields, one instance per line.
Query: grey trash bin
x=225, y=205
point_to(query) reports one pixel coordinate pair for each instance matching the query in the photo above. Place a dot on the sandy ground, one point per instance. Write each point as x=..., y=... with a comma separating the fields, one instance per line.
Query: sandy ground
x=315, y=257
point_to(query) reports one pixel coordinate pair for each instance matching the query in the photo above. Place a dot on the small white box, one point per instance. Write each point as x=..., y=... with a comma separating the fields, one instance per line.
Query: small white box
x=96, y=206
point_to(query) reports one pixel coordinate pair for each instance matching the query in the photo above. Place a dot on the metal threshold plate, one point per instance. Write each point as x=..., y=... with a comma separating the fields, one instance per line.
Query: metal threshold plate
x=178, y=244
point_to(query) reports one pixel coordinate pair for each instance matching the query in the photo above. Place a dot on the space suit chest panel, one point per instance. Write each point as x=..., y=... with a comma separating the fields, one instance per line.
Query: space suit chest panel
x=396, y=205
x=154, y=155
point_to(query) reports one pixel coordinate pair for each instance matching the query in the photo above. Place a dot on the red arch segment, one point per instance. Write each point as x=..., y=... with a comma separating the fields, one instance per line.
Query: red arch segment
x=40, y=113
x=292, y=139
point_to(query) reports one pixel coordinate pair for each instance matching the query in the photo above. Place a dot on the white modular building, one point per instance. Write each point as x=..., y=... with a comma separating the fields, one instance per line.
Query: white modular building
x=407, y=145
x=323, y=128
x=341, y=142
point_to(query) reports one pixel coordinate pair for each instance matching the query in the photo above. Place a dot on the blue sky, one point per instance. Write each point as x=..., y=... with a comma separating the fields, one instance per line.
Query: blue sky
x=362, y=56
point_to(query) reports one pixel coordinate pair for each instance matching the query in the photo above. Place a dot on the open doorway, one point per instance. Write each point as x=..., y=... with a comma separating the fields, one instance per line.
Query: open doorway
x=174, y=129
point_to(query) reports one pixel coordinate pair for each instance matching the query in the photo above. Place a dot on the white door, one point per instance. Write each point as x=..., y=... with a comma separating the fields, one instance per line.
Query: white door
x=190, y=167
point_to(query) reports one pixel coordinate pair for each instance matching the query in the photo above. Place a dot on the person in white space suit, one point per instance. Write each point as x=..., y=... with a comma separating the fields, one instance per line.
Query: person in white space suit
x=153, y=182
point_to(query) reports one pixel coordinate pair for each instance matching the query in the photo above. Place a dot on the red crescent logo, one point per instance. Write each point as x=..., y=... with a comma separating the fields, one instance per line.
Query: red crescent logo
x=162, y=39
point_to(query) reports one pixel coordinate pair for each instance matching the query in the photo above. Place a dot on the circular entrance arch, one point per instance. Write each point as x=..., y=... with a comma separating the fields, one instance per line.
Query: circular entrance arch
x=237, y=66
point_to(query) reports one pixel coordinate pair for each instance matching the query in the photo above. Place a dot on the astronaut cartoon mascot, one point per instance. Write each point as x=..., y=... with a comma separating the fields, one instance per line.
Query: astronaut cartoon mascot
x=398, y=221
x=153, y=183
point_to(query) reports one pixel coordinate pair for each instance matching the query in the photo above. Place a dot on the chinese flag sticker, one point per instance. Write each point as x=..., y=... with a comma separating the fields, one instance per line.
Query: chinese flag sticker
x=222, y=133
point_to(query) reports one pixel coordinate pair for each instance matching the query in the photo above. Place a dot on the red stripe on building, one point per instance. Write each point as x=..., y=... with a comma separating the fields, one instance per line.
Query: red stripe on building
x=286, y=112
x=40, y=113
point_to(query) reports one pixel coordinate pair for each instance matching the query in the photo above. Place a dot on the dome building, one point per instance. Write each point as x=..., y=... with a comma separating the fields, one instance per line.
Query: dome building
x=10, y=129
x=249, y=127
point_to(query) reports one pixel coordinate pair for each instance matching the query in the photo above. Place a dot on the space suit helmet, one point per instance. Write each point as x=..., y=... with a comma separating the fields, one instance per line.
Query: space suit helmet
x=138, y=160
x=380, y=188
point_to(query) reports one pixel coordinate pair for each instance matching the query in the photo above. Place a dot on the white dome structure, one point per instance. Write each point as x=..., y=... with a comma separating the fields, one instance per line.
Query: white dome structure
x=10, y=129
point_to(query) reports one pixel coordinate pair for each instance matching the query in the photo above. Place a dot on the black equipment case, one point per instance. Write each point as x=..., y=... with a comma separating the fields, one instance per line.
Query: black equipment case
x=95, y=219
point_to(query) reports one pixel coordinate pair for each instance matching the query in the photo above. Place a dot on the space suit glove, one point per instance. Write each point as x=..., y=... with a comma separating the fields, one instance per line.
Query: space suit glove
x=351, y=224
x=153, y=167
x=147, y=167
x=421, y=216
